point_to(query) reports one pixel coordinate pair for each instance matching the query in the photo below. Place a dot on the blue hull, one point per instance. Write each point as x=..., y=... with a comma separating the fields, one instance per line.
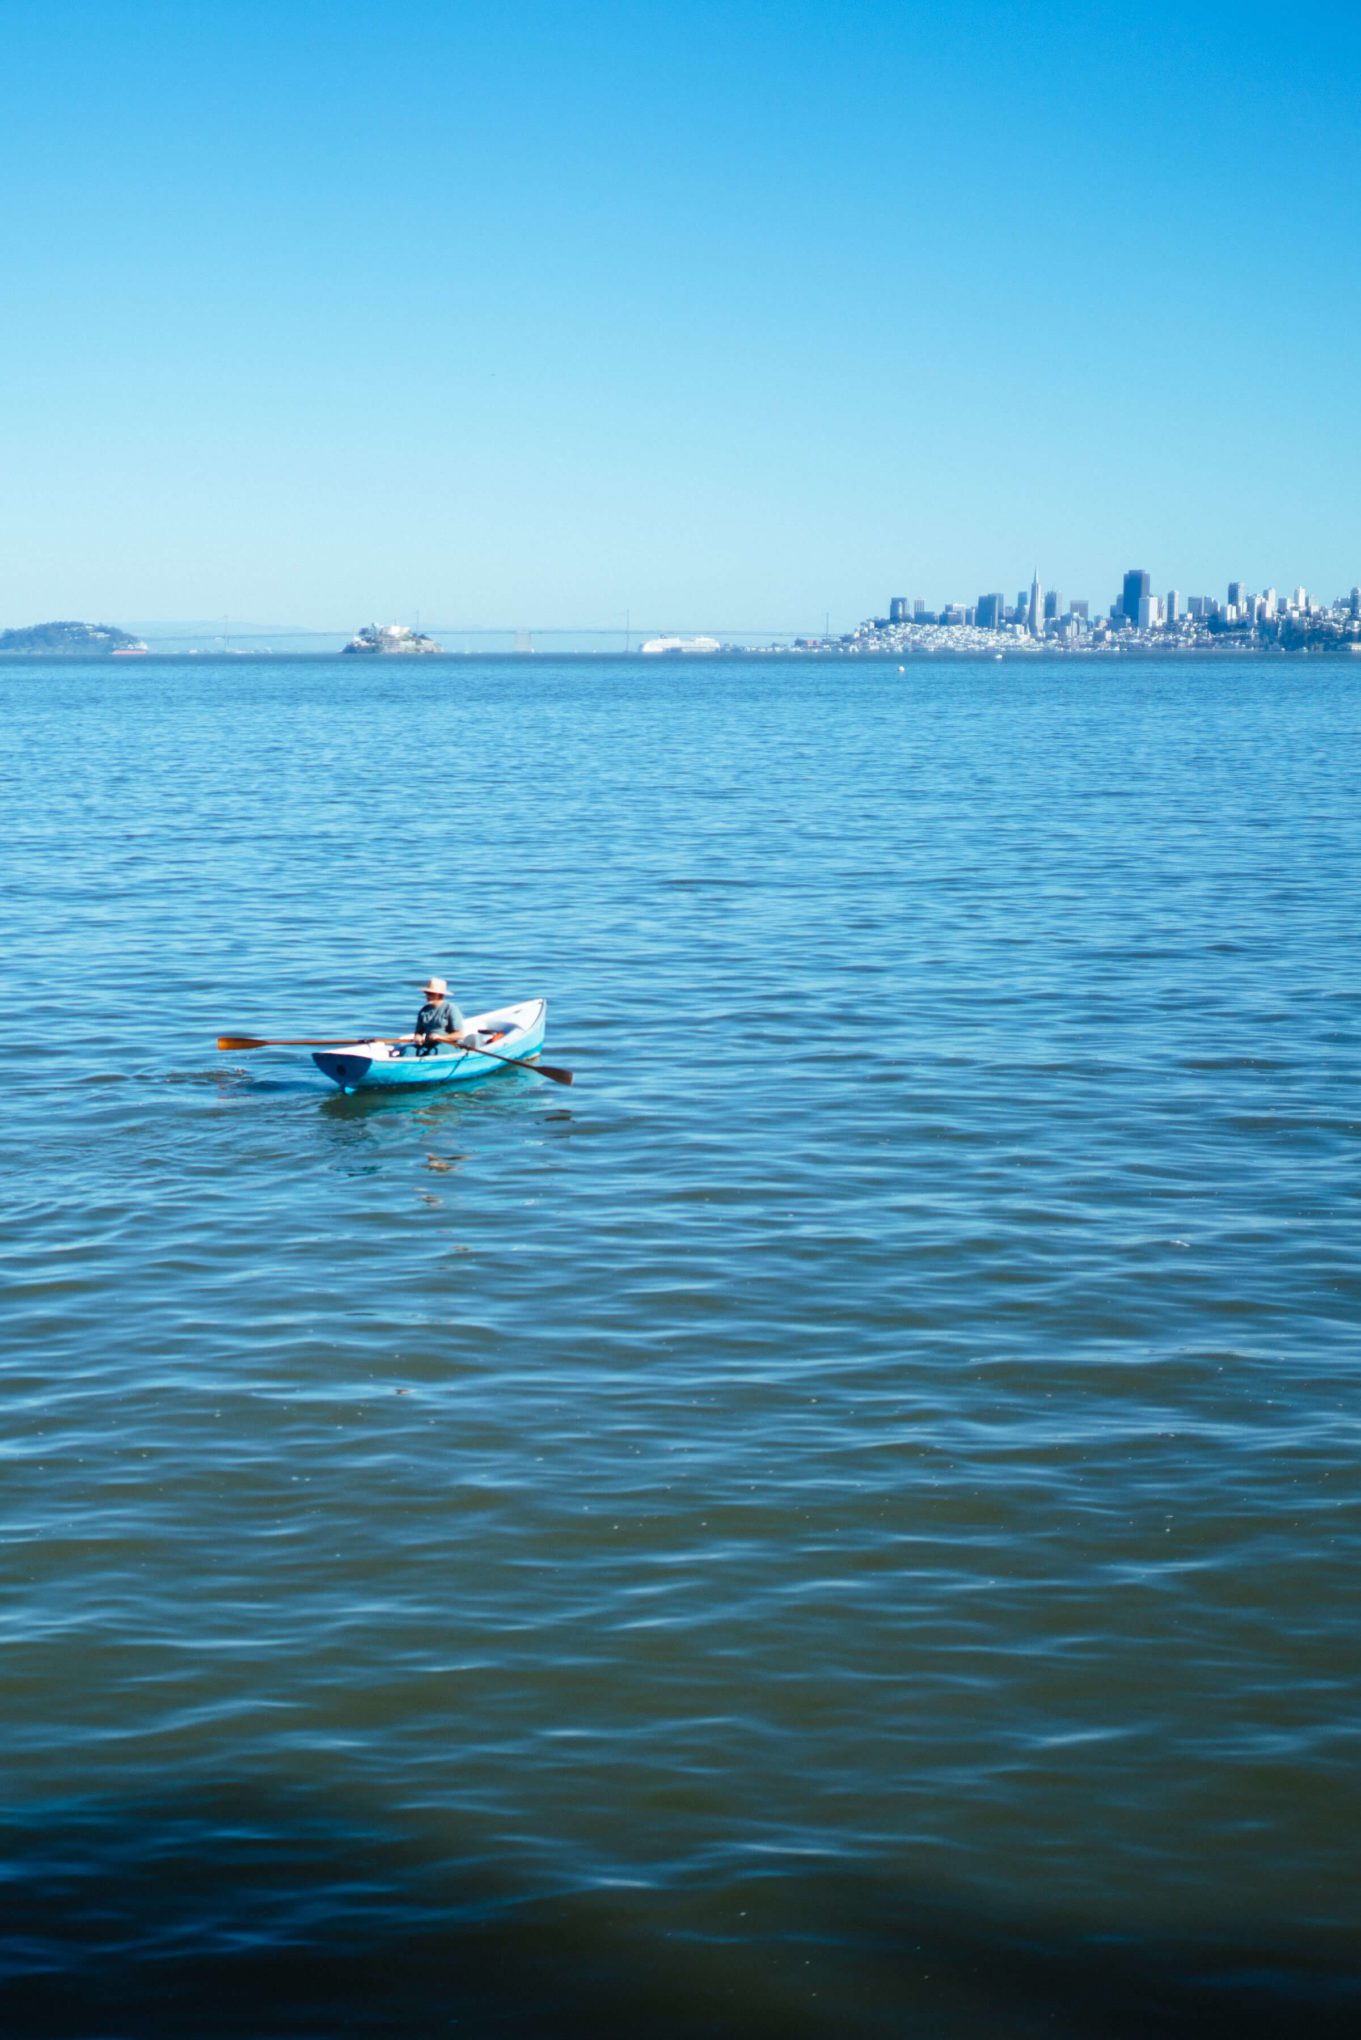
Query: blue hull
x=379, y=1066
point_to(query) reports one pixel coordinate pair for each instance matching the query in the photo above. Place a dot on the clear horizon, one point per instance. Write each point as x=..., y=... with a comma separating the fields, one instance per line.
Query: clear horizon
x=718, y=315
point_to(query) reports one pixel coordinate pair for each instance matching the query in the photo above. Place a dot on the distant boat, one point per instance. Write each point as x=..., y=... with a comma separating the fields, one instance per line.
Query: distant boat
x=680, y=647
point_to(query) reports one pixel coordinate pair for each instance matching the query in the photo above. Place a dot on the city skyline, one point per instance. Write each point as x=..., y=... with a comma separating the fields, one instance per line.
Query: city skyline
x=1035, y=606
x=1137, y=619
x=1039, y=613
x=1137, y=601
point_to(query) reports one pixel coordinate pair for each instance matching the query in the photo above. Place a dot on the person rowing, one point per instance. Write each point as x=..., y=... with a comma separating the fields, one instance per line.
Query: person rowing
x=439, y=1022
x=438, y=1017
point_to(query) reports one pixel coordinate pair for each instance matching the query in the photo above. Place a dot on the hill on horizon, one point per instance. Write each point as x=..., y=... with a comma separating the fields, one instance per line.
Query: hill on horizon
x=69, y=638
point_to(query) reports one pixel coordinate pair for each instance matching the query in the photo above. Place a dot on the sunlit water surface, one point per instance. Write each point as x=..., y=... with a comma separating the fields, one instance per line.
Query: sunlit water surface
x=847, y=1519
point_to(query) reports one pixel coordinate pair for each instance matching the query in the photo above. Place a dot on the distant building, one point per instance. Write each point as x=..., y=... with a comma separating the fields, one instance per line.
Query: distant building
x=1034, y=615
x=1235, y=594
x=1053, y=605
x=1135, y=591
x=387, y=638
x=1302, y=601
x=918, y=609
x=1172, y=608
x=1147, y=618
x=992, y=612
x=898, y=610
x=1354, y=602
x=1082, y=609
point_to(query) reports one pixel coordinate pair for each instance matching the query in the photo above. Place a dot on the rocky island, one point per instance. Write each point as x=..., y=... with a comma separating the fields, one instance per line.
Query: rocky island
x=69, y=640
x=391, y=637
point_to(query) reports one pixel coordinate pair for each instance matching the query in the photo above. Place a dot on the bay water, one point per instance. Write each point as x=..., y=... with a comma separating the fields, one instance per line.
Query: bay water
x=844, y=1521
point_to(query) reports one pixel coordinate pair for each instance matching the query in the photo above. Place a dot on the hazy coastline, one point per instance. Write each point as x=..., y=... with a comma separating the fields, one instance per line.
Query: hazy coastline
x=1040, y=654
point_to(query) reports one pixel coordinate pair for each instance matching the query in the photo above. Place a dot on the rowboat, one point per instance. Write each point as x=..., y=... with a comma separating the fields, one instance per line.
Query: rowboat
x=386, y=1065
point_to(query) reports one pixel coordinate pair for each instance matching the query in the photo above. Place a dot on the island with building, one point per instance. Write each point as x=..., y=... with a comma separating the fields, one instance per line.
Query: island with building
x=396, y=638
x=69, y=640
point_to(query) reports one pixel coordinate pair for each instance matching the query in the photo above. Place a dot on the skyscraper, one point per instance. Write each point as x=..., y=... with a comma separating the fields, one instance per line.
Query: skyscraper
x=897, y=609
x=1136, y=591
x=1034, y=615
x=1172, y=608
x=1053, y=605
x=992, y=611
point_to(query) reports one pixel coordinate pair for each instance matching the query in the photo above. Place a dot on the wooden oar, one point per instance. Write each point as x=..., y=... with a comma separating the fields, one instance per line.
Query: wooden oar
x=556, y=1076
x=236, y=1041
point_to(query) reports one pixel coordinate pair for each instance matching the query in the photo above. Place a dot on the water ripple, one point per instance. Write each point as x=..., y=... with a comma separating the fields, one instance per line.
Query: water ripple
x=855, y=1504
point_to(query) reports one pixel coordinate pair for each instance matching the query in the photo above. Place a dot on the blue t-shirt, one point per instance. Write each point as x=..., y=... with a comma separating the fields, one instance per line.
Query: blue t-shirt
x=440, y=1016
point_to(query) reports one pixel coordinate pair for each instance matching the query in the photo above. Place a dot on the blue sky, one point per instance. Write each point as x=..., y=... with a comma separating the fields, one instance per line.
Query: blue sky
x=729, y=315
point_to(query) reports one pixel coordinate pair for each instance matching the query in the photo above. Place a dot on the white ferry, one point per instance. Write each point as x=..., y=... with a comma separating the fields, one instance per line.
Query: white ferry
x=680, y=647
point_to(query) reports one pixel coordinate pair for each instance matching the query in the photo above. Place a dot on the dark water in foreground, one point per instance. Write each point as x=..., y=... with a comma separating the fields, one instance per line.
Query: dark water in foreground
x=847, y=1520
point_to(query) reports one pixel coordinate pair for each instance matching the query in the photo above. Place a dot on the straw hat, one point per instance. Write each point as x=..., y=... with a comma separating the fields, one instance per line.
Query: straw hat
x=436, y=988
